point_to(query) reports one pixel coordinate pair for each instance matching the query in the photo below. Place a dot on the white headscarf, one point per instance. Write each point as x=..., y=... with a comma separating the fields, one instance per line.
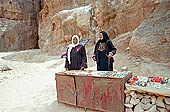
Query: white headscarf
x=71, y=46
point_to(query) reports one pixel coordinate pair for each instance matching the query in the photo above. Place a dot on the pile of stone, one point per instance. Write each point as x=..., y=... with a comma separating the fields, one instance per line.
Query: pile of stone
x=146, y=102
x=147, y=98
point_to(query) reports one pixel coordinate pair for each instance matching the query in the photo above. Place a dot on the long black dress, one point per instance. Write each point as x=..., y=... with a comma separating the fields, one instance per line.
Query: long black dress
x=101, y=51
x=77, y=57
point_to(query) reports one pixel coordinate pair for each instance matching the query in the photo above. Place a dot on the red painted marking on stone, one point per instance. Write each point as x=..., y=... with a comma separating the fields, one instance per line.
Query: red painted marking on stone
x=81, y=103
x=109, y=94
x=87, y=85
x=121, y=91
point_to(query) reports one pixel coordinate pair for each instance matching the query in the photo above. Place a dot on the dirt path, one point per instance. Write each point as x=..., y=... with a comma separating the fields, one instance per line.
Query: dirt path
x=30, y=87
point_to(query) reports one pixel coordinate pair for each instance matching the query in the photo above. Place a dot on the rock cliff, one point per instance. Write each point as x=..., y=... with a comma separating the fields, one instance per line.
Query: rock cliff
x=18, y=24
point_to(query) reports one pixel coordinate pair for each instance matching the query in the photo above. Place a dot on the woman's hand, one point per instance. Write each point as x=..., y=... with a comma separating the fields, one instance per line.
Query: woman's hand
x=82, y=68
x=110, y=55
x=94, y=58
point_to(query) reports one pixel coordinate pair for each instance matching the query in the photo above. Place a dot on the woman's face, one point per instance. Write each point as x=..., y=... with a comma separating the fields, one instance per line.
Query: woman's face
x=100, y=36
x=75, y=40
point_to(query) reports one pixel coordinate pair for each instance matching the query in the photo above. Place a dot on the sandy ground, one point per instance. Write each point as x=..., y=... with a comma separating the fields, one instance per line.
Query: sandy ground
x=30, y=85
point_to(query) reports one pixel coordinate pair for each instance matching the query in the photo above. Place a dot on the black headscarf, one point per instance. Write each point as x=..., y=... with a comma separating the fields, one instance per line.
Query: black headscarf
x=105, y=37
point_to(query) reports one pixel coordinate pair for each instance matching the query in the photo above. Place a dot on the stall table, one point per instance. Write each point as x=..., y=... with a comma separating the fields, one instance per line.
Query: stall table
x=100, y=93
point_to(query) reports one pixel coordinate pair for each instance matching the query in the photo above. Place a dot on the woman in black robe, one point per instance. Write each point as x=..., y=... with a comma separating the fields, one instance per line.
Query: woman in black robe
x=76, y=55
x=104, y=52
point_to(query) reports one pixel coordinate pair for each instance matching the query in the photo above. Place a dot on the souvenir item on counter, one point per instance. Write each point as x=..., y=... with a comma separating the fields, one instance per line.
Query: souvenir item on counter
x=138, y=81
x=103, y=73
x=165, y=80
x=157, y=79
x=94, y=74
x=155, y=85
x=135, y=78
x=99, y=73
x=81, y=73
x=156, y=82
x=141, y=83
x=121, y=74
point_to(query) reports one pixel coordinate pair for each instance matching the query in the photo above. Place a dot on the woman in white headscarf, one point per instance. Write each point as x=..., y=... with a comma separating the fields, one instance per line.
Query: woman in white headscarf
x=76, y=55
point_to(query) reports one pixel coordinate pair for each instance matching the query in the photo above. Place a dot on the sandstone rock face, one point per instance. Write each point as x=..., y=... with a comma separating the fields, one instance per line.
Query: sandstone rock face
x=63, y=25
x=59, y=20
x=18, y=24
x=152, y=38
x=121, y=16
x=58, y=24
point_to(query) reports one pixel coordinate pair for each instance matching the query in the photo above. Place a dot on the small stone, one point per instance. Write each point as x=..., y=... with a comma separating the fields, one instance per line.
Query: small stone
x=147, y=96
x=138, y=108
x=128, y=95
x=145, y=100
x=127, y=100
x=128, y=105
x=128, y=110
x=159, y=101
x=139, y=96
x=167, y=107
x=125, y=68
x=134, y=101
x=153, y=100
x=167, y=100
x=127, y=91
x=161, y=109
x=152, y=109
x=146, y=106
x=133, y=94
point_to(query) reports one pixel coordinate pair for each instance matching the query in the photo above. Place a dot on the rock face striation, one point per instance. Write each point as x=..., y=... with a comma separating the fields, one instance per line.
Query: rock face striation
x=18, y=24
x=59, y=20
x=152, y=38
